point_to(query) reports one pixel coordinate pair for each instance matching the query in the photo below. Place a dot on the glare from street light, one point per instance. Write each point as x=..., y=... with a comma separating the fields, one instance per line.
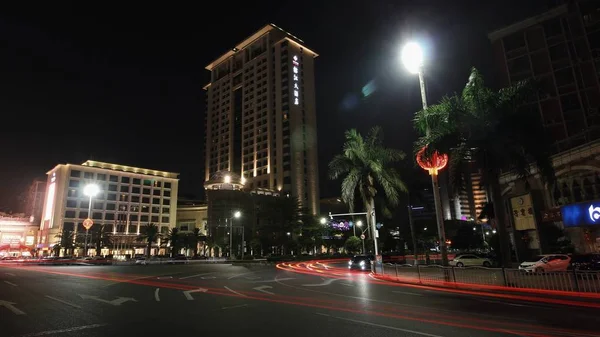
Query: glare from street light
x=474, y=228
x=91, y=190
x=288, y=233
x=237, y=214
x=494, y=231
x=227, y=179
x=487, y=233
x=425, y=228
x=359, y=223
x=323, y=221
x=412, y=57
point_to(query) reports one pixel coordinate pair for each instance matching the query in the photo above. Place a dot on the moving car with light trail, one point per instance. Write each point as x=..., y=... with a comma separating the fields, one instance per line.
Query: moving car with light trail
x=360, y=262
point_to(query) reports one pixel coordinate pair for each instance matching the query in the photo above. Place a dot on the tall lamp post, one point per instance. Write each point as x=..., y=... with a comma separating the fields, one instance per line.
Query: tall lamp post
x=412, y=57
x=362, y=235
x=90, y=190
x=237, y=215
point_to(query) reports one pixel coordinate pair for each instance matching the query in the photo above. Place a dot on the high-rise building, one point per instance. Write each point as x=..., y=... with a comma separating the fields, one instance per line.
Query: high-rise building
x=261, y=118
x=561, y=49
x=127, y=199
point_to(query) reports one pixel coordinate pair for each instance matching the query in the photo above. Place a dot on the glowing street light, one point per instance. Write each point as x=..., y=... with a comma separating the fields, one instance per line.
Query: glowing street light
x=237, y=215
x=359, y=223
x=323, y=221
x=412, y=58
x=227, y=179
x=90, y=190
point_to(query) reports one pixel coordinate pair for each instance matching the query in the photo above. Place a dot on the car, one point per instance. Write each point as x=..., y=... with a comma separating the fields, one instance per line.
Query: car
x=94, y=260
x=546, y=263
x=470, y=260
x=361, y=262
x=585, y=262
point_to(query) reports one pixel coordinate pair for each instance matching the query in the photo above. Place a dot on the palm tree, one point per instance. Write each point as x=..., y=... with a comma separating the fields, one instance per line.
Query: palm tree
x=366, y=164
x=175, y=239
x=195, y=238
x=493, y=130
x=149, y=234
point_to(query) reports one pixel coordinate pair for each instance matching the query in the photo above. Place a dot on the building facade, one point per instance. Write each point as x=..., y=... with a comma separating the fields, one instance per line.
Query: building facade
x=561, y=49
x=128, y=198
x=18, y=235
x=261, y=116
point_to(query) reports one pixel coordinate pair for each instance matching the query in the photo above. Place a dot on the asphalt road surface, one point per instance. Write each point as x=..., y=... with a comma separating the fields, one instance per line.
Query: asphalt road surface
x=292, y=300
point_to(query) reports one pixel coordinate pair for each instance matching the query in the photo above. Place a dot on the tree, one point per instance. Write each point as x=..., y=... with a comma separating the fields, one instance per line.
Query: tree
x=194, y=238
x=466, y=238
x=100, y=237
x=494, y=130
x=353, y=245
x=366, y=167
x=149, y=234
x=175, y=239
x=65, y=240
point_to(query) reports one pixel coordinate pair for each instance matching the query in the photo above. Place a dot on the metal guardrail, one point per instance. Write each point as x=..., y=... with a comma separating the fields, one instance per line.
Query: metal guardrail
x=569, y=281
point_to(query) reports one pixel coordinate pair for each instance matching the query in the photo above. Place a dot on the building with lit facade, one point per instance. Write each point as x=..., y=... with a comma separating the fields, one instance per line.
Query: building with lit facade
x=18, y=235
x=128, y=198
x=261, y=117
x=560, y=48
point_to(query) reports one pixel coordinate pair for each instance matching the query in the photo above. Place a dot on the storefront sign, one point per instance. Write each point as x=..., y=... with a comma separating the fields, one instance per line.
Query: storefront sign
x=522, y=212
x=583, y=214
x=552, y=214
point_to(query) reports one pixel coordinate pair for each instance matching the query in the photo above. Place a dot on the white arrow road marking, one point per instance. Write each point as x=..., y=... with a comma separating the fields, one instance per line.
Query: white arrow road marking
x=186, y=277
x=277, y=280
x=12, y=284
x=235, y=306
x=75, y=328
x=64, y=302
x=188, y=293
x=116, y=302
x=325, y=283
x=10, y=274
x=380, y=325
x=11, y=306
x=262, y=289
x=156, y=295
x=233, y=291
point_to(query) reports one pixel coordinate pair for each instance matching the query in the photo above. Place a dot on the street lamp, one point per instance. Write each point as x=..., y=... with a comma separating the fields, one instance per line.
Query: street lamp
x=412, y=57
x=237, y=215
x=359, y=223
x=323, y=221
x=90, y=190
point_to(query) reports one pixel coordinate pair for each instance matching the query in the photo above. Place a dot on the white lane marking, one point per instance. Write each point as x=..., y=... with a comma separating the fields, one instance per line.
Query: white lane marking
x=325, y=283
x=277, y=280
x=116, y=302
x=252, y=277
x=235, y=306
x=262, y=289
x=191, y=276
x=238, y=275
x=235, y=292
x=380, y=325
x=189, y=292
x=76, y=328
x=406, y=293
x=12, y=284
x=64, y=302
x=513, y=304
x=156, y=297
x=10, y=274
x=164, y=277
x=347, y=284
x=11, y=306
x=208, y=277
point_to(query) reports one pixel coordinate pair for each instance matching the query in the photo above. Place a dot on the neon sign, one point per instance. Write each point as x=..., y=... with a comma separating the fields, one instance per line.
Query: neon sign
x=594, y=213
x=295, y=79
x=582, y=214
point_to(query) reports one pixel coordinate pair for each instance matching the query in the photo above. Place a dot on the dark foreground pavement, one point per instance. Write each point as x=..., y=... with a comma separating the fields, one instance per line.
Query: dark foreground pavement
x=225, y=300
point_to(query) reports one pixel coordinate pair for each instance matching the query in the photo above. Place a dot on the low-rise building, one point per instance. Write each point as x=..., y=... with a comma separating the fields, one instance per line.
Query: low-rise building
x=18, y=235
x=127, y=199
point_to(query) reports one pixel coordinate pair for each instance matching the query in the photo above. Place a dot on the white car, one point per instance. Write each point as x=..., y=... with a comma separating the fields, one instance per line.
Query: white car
x=546, y=263
x=469, y=260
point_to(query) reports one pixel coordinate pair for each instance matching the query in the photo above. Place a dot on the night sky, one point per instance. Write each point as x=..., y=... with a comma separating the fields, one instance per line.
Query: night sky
x=123, y=83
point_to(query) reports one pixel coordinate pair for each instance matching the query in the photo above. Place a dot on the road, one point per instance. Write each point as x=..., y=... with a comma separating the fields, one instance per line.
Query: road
x=292, y=300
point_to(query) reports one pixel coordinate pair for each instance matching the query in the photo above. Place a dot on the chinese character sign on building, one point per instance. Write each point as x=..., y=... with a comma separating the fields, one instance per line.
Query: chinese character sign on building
x=295, y=79
x=522, y=212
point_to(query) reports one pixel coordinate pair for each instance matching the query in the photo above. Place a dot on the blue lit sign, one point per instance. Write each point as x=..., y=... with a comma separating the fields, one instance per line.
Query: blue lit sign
x=584, y=214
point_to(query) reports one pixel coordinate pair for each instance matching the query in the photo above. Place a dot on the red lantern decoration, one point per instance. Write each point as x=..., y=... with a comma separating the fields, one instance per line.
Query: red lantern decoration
x=434, y=164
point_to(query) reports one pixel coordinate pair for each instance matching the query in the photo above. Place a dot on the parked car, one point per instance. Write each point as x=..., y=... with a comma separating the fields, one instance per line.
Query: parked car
x=546, y=263
x=470, y=260
x=585, y=262
x=94, y=260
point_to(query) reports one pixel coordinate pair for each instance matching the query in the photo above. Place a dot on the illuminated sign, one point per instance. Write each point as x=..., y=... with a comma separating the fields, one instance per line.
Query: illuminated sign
x=583, y=214
x=296, y=79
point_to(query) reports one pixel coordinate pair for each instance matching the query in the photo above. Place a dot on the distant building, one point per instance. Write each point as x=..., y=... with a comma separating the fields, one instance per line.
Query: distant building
x=18, y=235
x=129, y=198
x=261, y=116
x=561, y=49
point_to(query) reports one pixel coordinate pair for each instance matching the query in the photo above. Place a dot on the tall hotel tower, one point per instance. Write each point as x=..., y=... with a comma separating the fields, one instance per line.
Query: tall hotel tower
x=260, y=116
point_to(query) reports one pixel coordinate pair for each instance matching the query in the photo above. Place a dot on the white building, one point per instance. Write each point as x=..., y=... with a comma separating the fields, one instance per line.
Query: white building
x=128, y=198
